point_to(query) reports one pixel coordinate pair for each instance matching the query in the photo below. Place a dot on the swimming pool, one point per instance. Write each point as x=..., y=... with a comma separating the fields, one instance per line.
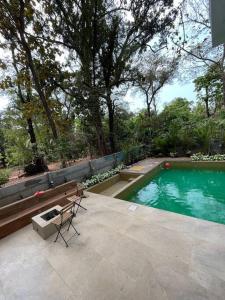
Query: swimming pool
x=193, y=192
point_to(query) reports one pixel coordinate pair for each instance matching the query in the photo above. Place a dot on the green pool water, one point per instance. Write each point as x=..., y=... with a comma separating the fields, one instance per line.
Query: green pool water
x=191, y=192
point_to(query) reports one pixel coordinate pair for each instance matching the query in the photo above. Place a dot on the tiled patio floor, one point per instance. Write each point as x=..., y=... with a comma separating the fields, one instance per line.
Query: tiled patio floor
x=146, y=254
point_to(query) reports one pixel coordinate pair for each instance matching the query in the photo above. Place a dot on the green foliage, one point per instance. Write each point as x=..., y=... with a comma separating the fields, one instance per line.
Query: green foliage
x=102, y=176
x=17, y=147
x=202, y=157
x=174, y=131
x=4, y=176
x=209, y=88
x=73, y=107
x=179, y=130
x=133, y=154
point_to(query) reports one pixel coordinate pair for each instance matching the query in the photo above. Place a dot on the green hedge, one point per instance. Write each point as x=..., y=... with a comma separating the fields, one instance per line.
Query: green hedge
x=134, y=154
x=4, y=176
x=202, y=157
x=102, y=176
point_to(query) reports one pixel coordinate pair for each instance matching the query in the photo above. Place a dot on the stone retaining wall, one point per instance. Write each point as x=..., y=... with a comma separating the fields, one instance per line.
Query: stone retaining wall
x=78, y=172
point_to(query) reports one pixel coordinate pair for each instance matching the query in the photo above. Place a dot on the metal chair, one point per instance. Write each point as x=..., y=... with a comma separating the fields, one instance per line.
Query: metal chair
x=66, y=215
x=77, y=200
x=78, y=197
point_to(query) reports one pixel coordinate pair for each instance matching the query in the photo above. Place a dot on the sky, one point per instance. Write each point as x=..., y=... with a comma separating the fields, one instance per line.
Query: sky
x=167, y=94
x=136, y=101
x=3, y=102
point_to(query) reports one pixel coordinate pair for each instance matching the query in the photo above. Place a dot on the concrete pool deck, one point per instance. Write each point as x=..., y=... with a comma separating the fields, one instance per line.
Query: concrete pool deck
x=144, y=166
x=146, y=254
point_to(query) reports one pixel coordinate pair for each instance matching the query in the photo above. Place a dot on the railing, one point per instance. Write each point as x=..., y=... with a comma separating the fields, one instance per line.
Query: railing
x=79, y=172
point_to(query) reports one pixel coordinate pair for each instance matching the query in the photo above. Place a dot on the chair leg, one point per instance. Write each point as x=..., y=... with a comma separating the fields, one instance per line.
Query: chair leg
x=82, y=206
x=59, y=233
x=69, y=224
x=75, y=229
x=58, y=229
x=79, y=206
x=63, y=239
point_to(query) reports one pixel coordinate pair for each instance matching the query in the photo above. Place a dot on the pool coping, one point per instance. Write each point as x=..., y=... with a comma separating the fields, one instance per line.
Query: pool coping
x=174, y=163
x=150, y=170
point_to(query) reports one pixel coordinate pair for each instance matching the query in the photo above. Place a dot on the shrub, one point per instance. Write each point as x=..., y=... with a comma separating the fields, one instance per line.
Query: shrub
x=37, y=166
x=102, y=176
x=202, y=157
x=135, y=153
x=4, y=176
x=173, y=154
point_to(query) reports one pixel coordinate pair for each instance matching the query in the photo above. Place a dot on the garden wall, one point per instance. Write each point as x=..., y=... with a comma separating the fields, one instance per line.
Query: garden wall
x=78, y=172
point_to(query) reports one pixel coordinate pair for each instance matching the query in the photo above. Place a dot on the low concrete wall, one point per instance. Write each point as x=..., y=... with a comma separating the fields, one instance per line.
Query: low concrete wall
x=79, y=172
x=211, y=165
x=136, y=183
x=23, y=189
x=100, y=187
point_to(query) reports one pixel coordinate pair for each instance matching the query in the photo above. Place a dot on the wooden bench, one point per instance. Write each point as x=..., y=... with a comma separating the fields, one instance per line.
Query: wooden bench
x=18, y=214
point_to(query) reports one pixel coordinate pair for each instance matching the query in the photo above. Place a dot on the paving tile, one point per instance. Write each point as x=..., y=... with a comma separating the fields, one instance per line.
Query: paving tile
x=33, y=279
x=210, y=256
x=148, y=254
x=175, y=244
x=147, y=287
x=2, y=296
x=202, y=275
x=107, y=282
x=179, y=285
x=131, y=257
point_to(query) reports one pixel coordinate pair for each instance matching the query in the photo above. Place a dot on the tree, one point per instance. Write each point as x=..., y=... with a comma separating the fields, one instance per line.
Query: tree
x=192, y=37
x=210, y=90
x=154, y=71
x=77, y=29
x=175, y=128
x=17, y=19
x=2, y=145
x=105, y=40
x=125, y=37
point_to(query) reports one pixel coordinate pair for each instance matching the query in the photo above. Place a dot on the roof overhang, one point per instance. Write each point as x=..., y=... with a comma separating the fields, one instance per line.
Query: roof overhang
x=217, y=16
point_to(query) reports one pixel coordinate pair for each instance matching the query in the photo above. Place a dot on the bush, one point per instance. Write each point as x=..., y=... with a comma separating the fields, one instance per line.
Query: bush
x=37, y=166
x=4, y=176
x=202, y=157
x=135, y=153
x=102, y=176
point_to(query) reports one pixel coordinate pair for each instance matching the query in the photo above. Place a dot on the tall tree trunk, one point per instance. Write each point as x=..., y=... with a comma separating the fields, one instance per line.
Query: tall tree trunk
x=154, y=105
x=111, y=113
x=148, y=104
x=97, y=121
x=3, y=157
x=207, y=103
x=23, y=101
x=223, y=74
x=100, y=135
x=37, y=85
x=223, y=81
x=32, y=135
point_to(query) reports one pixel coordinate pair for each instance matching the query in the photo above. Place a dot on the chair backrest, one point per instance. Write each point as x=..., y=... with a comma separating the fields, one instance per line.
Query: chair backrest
x=69, y=207
x=80, y=189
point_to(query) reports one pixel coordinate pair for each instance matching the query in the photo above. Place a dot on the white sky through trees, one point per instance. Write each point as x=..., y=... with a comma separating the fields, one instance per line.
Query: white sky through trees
x=166, y=95
x=136, y=100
